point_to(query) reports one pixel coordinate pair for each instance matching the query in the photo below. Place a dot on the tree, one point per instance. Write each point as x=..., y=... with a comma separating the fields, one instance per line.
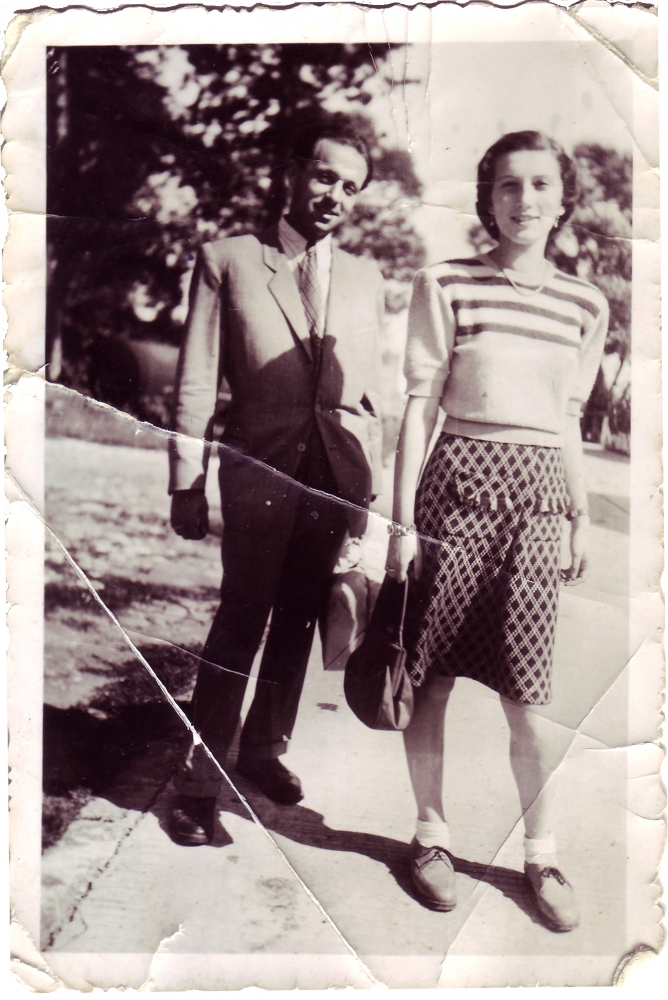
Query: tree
x=597, y=246
x=154, y=150
x=597, y=242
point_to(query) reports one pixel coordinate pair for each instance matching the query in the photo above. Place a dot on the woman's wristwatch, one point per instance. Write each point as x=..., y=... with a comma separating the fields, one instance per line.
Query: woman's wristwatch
x=400, y=529
x=577, y=512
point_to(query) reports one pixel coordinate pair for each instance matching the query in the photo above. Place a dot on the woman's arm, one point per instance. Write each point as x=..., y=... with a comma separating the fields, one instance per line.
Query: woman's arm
x=416, y=431
x=574, y=475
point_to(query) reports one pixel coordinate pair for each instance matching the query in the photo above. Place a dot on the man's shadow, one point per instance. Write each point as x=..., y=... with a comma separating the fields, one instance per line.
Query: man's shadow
x=306, y=827
x=130, y=758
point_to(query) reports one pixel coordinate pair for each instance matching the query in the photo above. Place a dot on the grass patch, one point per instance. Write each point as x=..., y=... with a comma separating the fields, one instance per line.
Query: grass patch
x=133, y=685
x=58, y=811
x=120, y=592
x=70, y=414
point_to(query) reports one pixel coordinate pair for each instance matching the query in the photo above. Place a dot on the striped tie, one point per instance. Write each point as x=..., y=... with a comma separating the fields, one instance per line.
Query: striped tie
x=311, y=294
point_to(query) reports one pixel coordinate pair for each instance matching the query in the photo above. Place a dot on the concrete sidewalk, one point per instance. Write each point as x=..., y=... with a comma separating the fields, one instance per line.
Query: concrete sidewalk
x=319, y=894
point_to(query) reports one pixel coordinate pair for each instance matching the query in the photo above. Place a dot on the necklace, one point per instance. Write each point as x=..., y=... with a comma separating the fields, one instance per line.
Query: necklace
x=528, y=291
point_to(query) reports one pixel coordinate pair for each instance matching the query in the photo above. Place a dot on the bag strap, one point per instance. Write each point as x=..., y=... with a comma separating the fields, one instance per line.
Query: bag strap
x=403, y=613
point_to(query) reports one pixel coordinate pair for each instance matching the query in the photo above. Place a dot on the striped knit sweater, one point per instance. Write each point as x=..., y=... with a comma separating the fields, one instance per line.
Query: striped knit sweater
x=506, y=366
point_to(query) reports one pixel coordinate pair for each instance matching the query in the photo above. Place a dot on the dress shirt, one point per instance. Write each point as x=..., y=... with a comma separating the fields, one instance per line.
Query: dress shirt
x=294, y=247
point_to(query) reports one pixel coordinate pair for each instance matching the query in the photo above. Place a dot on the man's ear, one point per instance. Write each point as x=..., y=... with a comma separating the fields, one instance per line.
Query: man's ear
x=289, y=178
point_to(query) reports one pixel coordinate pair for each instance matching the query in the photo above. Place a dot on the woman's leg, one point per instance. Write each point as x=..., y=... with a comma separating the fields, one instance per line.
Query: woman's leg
x=432, y=870
x=537, y=747
x=423, y=740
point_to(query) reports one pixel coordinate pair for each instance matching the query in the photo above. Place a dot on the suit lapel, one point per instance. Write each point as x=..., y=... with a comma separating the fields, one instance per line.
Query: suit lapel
x=283, y=287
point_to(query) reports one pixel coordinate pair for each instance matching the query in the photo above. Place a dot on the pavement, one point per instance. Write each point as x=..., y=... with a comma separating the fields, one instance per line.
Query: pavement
x=316, y=895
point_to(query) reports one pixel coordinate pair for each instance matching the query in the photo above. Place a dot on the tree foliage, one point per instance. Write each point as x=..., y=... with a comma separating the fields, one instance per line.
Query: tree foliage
x=154, y=150
x=597, y=242
x=596, y=245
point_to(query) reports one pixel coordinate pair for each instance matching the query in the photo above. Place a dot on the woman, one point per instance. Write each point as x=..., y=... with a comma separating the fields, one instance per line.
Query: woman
x=509, y=347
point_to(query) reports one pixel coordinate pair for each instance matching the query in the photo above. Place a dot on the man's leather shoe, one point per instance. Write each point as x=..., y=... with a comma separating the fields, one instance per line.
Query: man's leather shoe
x=554, y=896
x=272, y=778
x=433, y=876
x=191, y=821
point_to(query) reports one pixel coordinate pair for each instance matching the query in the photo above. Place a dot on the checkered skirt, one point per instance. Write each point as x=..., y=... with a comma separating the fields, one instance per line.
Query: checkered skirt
x=485, y=606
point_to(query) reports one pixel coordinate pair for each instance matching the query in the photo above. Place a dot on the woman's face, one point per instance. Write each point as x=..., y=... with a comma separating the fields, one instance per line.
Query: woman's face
x=527, y=196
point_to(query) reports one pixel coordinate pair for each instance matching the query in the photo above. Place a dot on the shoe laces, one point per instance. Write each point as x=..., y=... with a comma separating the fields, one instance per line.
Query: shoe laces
x=553, y=873
x=435, y=854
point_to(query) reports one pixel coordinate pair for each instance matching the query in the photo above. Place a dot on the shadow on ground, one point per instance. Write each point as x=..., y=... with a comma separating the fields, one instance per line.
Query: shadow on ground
x=130, y=756
x=611, y=512
x=119, y=592
x=127, y=734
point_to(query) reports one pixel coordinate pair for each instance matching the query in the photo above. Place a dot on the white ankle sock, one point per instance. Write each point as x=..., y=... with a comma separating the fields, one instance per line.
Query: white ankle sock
x=541, y=851
x=433, y=834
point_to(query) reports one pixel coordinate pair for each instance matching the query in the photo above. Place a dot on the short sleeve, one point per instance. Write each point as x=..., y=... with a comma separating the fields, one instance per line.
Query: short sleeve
x=591, y=352
x=431, y=329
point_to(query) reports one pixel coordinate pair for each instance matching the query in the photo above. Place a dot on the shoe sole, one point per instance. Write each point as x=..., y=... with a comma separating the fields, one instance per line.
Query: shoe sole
x=433, y=904
x=186, y=842
x=438, y=907
x=551, y=924
x=280, y=802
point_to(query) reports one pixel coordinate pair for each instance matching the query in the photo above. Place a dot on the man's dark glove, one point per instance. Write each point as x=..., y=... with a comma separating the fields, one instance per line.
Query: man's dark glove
x=190, y=514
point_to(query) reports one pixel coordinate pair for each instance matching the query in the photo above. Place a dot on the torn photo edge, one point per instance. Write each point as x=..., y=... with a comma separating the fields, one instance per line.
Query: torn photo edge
x=25, y=275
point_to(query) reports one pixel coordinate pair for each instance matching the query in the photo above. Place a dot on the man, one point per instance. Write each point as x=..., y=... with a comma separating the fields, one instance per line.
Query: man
x=292, y=323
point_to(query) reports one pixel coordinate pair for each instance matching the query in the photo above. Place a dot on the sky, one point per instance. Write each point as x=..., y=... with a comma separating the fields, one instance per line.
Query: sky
x=461, y=97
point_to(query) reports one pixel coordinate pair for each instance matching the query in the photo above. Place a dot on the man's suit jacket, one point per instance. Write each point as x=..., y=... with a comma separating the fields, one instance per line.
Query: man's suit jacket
x=247, y=324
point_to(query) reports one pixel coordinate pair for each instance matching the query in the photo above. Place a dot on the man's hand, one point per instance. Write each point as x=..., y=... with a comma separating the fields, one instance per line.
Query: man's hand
x=190, y=514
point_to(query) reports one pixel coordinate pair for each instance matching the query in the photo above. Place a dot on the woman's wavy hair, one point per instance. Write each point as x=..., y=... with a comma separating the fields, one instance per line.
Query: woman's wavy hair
x=515, y=142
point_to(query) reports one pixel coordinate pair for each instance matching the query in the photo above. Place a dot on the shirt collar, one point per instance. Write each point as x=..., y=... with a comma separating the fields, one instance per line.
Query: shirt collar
x=294, y=245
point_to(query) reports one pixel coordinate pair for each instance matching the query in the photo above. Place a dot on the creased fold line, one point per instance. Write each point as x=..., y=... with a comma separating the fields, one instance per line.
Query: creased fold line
x=196, y=737
x=483, y=888
x=16, y=374
x=614, y=49
x=157, y=641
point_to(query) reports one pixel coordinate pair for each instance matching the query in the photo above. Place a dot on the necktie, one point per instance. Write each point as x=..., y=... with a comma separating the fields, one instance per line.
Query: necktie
x=311, y=293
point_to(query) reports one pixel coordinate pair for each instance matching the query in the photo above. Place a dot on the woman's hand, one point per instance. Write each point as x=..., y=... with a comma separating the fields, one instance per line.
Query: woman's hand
x=579, y=544
x=401, y=551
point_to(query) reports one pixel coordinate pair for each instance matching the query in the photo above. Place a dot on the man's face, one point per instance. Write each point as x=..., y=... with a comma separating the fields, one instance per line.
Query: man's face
x=325, y=188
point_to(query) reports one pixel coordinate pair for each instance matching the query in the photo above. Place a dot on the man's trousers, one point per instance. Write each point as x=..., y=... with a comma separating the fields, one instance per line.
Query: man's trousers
x=285, y=571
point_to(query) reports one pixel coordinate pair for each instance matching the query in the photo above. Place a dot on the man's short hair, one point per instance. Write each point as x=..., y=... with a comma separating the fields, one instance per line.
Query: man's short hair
x=339, y=128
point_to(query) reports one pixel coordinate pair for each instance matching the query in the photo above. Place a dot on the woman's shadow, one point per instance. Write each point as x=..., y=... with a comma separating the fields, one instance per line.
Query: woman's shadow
x=306, y=827
x=130, y=757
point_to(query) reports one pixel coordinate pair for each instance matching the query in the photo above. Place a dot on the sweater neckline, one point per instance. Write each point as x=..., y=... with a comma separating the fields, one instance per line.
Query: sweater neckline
x=516, y=276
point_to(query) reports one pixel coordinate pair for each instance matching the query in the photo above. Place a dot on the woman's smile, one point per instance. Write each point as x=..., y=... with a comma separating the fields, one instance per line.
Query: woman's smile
x=527, y=195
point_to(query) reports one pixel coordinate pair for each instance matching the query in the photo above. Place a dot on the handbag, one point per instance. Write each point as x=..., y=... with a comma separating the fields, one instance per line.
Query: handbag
x=376, y=683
